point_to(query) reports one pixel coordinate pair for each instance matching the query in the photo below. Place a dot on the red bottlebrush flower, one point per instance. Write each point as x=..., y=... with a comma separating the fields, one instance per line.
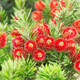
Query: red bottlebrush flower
x=60, y=44
x=39, y=55
x=40, y=40
x=54, y=11
x=63, y=3
x=46, y=28
x=18, y=42
x=36, y=16
x=77, y=65
x=15, y=18
x=49, y=42
x=15, y=33
x=39, y=5
x=19, y=52
x=72, y=55
x=3, y=38
x=76, y=24
x=69, y=33
x=30, y=46
x=42, y=29
x=70, y=45
x=53, y=4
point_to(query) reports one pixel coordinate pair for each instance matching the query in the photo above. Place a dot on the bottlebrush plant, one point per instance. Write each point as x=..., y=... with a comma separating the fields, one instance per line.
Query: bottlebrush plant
x=18, y=70
x=49, y=36
x=54, y=72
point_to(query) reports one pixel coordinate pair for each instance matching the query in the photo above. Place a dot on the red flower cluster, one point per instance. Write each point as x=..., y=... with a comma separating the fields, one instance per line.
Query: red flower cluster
x=3, y=39
x=18, y=42
x=76, y=24
x=71, y=45
x=75, y=57
x=22, y=48
x=41, y=29
x=69, y=33
x=49, y=42
x=39, y=55
x=53, y=4
x=30, y=46
x=54, y=7
x=54, y=11
x=63, y=3
x=15, y=33
x=19, y=52
x=77, y=65
x=40, y=40
x=44, y=41
x=37, y=16
x=39, y=5
x=60, y=44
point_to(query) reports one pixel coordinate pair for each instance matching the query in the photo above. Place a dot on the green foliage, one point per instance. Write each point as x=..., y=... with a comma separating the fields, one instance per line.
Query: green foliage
x=18, y=69
x=25, y=69
x=10, y=5
x=50, y=72
x=3, y=16
x=55, y=29
x=20, y=4
x=5, y=51
x=46, y=12
x=7, y=5
x=62, y=59
x=70, y=13
x=24, y=23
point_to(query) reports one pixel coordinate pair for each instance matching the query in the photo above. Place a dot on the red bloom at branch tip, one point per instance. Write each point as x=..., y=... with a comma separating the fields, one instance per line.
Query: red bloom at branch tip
x=37, y=16
x=60, y=44
x=70, y=45
x=18, y=42
x=3, y=39
x=54, y=11
x=53, y=4
x=76, y=24
x=15, y=33
x=41, y=29
x=77, y=65
x=39, y=55
x=30, y=46
x=39, y=5
x=49, y=42
x=19, y=52
x=69, y=33
x=63, y=3
x=40, y=40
